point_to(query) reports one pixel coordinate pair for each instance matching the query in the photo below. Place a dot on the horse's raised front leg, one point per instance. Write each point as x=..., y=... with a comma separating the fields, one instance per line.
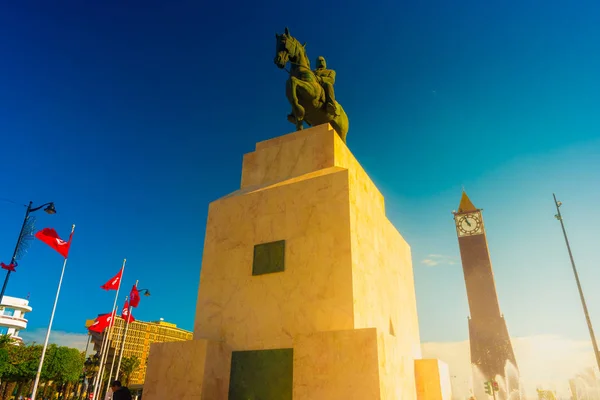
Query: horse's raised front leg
x=297, y=115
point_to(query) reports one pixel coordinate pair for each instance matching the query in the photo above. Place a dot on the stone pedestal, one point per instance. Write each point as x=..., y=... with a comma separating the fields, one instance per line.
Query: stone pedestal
x=197, y=369
x=305, y=280
x=433, y=380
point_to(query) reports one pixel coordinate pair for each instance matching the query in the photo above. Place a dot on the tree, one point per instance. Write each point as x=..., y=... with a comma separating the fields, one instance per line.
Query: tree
x=23, y=362
x=90, y=370
x=18, y=367
x=5, y=342
x=128, y=366
x=3, y=362
x=62, y=366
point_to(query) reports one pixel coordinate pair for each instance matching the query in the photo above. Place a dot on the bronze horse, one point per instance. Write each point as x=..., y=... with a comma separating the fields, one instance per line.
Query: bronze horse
x=304, y=92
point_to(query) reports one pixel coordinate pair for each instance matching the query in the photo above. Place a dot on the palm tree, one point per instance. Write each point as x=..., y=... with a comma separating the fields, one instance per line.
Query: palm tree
x=128, y=366
x=6, y=340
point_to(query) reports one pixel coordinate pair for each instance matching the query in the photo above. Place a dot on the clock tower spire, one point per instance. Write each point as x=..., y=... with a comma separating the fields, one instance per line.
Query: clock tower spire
x=465, y=204
x=491, y=350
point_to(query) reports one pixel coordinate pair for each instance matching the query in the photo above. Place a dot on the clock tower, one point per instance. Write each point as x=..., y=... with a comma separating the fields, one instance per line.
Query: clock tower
x=491, y=350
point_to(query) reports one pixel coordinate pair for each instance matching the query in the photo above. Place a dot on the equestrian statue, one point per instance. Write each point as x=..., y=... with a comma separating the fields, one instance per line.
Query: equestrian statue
x=310, y=92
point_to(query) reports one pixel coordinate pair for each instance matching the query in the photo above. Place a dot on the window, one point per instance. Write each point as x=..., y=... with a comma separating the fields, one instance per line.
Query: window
x=9, y=312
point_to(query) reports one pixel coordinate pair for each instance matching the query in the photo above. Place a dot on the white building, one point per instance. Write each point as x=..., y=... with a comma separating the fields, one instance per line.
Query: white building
x=12, y=316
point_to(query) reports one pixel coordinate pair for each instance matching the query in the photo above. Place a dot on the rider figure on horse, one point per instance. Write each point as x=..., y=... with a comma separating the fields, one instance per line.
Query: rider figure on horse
x=326, y=78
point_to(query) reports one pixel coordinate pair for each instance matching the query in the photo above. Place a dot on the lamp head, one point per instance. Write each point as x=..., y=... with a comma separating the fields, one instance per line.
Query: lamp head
x=50, y=209
x=147, y=293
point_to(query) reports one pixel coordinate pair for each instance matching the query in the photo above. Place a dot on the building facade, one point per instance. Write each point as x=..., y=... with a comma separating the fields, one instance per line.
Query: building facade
x=492, y=354
x=12, y=316
x=140, y=335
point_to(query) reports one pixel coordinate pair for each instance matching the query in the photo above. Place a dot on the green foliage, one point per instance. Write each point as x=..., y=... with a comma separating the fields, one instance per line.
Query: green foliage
x=128, y=366
x=6, y=340
x=92, y=365
x=3, y=362
x=19, y=364
x=22, y=362
x=62, y=364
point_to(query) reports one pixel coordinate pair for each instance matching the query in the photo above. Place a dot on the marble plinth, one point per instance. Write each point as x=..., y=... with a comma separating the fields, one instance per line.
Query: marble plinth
x=195, y=369
x=349, y=364
x=433, y=380
x=303, y=271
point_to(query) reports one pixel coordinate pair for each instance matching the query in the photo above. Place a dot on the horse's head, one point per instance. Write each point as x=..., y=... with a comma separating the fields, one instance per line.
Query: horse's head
x=287, y=48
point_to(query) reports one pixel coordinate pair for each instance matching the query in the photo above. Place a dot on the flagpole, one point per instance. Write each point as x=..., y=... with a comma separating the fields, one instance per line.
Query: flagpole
x=101, y=352
x=113, y=362
x=104, y=355
x=105, y=341
x=102, y=348
x=124, y=335
x=81, y=387
x=39, y=371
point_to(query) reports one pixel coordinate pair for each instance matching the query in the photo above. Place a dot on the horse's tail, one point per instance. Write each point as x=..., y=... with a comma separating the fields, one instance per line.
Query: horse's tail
x=340, y=123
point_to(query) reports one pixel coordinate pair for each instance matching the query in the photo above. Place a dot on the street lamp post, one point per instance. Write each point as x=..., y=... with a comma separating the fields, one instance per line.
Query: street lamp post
x=50, y=210
x=585, y=309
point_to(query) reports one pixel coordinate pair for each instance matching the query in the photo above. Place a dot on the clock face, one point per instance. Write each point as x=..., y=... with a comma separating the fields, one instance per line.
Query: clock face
x=469, y=224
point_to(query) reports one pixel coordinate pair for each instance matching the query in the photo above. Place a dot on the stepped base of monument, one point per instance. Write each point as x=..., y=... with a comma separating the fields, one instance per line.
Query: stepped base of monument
x=432, y=377
x=350, y=364
x=306, y=284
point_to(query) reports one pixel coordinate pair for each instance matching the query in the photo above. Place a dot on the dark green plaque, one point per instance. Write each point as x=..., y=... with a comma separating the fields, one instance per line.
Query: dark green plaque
x=269, y=258
x=261, y=375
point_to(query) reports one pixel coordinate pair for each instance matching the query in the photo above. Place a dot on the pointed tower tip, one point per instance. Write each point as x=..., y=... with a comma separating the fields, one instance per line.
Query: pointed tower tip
x=465, y=204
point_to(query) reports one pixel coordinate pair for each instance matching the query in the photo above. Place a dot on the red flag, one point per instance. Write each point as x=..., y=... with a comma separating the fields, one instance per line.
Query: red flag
x=134, y=297
x=125, y=313
x=51, y=238
x=101, y=323
x=114, y=283
x=10, y=267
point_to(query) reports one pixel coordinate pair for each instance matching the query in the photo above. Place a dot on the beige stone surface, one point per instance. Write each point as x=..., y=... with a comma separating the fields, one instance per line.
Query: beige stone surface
x=383, y=284
x=347, y=294
x=432, y=378
x=396, y=377
x=353, y=364
x=289, y=156
x=196, y=369
x=314, y=293
x=216, y=371
x=337, y=365
x=346, y=265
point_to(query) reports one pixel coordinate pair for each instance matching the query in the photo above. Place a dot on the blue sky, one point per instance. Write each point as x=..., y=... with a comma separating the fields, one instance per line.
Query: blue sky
x=132, y=118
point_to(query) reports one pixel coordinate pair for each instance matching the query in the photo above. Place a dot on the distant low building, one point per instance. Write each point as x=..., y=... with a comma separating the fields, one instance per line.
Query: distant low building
x=140, y=335
x=12, y=316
